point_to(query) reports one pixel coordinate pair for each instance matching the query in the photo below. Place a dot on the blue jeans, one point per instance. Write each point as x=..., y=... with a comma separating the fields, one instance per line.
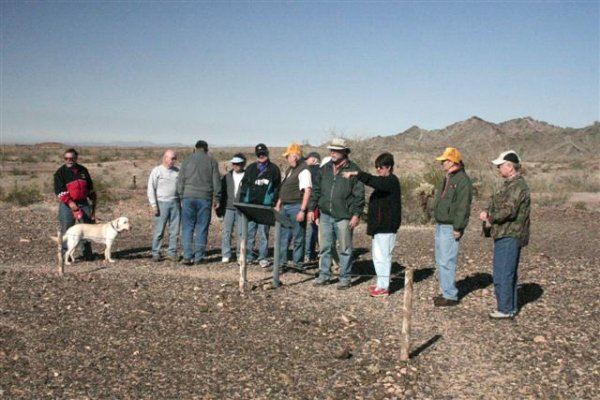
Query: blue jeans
x=67, y=220
x=295, y=234
x=382, y=250
x=263, y=248
x=231, y=217
x=507, y=251
x=330, y=231
x=196, y=219
x=446, y=256
x=312, y=238
x=169, y=213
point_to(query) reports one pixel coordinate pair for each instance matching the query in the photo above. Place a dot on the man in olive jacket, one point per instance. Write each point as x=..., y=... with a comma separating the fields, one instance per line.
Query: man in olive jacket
x=451, y=212
x=340, y=202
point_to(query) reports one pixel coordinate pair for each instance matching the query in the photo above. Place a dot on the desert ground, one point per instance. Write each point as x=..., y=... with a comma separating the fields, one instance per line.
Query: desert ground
x=137, y=329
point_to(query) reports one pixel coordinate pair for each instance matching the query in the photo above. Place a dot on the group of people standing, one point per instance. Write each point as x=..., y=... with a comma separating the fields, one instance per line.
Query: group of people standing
x=324, y=201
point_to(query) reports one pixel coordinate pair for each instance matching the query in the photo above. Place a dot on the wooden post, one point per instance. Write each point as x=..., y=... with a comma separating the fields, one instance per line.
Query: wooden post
x=242, y=255
x=407, y=317
x=134, y=183
x=61, y=263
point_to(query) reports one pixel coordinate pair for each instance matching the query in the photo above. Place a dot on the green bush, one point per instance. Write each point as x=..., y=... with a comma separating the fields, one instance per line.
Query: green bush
x=23, y=196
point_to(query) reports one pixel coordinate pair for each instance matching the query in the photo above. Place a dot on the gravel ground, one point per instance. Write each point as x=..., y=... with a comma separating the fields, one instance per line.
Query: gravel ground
x=136, y=329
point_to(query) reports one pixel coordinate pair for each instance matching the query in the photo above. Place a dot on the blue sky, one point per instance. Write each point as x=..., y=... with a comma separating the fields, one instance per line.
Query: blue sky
x=247, y=72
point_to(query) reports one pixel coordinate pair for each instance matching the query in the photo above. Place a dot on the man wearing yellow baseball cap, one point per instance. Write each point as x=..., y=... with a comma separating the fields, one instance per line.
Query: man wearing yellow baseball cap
x=294, y=193
x=451, y=212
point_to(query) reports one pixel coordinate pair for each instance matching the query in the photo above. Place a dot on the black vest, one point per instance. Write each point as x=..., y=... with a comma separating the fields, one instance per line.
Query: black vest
x=290, y=192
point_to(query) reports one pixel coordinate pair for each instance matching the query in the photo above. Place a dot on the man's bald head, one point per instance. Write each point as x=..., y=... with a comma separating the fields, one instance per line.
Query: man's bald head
x=169, y=158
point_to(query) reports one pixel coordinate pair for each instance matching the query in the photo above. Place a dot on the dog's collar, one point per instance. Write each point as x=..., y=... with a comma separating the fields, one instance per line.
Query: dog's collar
x=111, y=225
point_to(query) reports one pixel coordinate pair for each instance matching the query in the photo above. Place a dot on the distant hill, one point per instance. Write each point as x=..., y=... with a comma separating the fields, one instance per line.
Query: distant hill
x=536, y=140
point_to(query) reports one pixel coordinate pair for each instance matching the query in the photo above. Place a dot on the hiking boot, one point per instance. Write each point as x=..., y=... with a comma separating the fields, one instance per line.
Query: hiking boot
x=172, y=257
x=379, y=292
x=321, y=281
x=440, y=301
x=155, y=259
x=187, y=261
x=500, y=315
x=343, y=285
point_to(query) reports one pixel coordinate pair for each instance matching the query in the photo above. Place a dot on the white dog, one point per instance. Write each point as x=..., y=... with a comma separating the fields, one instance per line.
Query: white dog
x=99, y=233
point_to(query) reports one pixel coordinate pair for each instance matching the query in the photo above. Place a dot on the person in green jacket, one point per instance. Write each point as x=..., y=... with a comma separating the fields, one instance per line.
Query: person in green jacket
x=508, y=219
x=451, y=212
x=340, y=202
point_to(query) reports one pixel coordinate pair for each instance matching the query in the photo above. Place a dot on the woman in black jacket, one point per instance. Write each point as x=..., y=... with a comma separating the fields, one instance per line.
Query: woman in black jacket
x=383, y=218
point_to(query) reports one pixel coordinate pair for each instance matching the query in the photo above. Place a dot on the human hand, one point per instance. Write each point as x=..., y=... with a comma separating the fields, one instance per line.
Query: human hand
x=354, y=221
x=457, y=234
x=300, y=216
x=310, y=217
x=78, y=214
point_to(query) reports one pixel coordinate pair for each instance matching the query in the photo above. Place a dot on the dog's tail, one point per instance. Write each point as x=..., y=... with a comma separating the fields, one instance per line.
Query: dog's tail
x=55, y=238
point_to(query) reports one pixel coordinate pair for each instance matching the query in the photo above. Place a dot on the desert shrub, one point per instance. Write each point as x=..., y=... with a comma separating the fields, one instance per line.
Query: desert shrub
x=23, y=196
x=103, y=190
x=417, y=200
x=360, y=153
x=580, y=205
x=18, y=172
x=27, y=158
x=434, y=175
x=557, y=198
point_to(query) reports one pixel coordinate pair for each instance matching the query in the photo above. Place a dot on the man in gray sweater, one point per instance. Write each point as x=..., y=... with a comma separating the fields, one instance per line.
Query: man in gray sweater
x=166, y=207
x=198, y=184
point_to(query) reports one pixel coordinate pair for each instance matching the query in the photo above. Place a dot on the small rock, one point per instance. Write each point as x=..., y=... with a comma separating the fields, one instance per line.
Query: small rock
x=539, y=339
x=343, y=353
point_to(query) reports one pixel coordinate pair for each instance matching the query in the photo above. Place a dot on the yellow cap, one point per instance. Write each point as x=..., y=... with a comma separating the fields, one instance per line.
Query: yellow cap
x=451, y=154
x=293, y=149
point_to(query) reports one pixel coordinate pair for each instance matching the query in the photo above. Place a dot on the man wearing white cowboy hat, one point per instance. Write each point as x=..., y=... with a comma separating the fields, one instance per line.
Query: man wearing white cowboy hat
x=340, y=202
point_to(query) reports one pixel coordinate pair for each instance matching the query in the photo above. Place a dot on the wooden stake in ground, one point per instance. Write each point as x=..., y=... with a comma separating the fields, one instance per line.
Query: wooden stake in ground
x=242, y=255
x=407, y=317
x=61, y=264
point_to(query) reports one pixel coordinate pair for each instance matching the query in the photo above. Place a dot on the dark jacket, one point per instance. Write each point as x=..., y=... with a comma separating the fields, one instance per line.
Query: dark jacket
x=385, y=209
x=509, y=210
x=227, y=196
x=453, y=205
x=261, y=187
x=337, y=196
x=74, y=184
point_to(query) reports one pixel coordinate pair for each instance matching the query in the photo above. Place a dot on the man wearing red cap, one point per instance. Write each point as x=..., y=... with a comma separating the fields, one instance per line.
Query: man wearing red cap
x=451, y=212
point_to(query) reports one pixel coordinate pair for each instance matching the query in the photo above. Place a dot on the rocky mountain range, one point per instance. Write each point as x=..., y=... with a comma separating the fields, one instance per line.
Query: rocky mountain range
x=537, y=140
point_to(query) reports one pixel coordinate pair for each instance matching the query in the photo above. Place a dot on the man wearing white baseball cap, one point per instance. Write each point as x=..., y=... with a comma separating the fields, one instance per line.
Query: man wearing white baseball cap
x=230, y=185
x=507, y=217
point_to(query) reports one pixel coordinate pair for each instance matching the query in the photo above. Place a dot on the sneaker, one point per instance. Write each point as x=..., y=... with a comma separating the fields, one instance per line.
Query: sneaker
x=444, y=302
x=225, y=259
x=379, y=292
x=372, y=287
x=155, y=259
x=264, y=263
x=321, y=282
x=343, y=285
x=187, y=261
x=500, y=315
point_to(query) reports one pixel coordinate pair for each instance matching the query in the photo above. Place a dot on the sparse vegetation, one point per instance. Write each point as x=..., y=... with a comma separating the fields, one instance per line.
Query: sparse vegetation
x=24, y=195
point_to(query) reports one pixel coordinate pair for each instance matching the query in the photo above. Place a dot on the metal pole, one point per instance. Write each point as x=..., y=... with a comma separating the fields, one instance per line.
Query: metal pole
x=242, y=256
x=407, y=317
x=276, y=251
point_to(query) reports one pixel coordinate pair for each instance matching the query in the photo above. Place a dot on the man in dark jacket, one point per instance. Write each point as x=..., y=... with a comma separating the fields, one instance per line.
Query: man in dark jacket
x=340, y=202
x=313, y=159
x=198, y=183
x=260, y=186
x=230, y=190
x=451, y=212
x=75, y=191
x=383, y=218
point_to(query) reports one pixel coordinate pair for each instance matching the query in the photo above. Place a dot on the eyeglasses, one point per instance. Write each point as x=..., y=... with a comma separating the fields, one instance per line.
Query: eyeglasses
x=69, y=158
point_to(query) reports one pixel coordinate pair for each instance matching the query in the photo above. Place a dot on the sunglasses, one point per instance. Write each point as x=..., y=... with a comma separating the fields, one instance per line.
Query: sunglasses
x=69, y=158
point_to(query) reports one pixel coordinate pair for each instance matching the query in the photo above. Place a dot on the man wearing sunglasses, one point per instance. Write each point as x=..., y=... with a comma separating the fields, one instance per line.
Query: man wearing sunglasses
x=75, y=191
